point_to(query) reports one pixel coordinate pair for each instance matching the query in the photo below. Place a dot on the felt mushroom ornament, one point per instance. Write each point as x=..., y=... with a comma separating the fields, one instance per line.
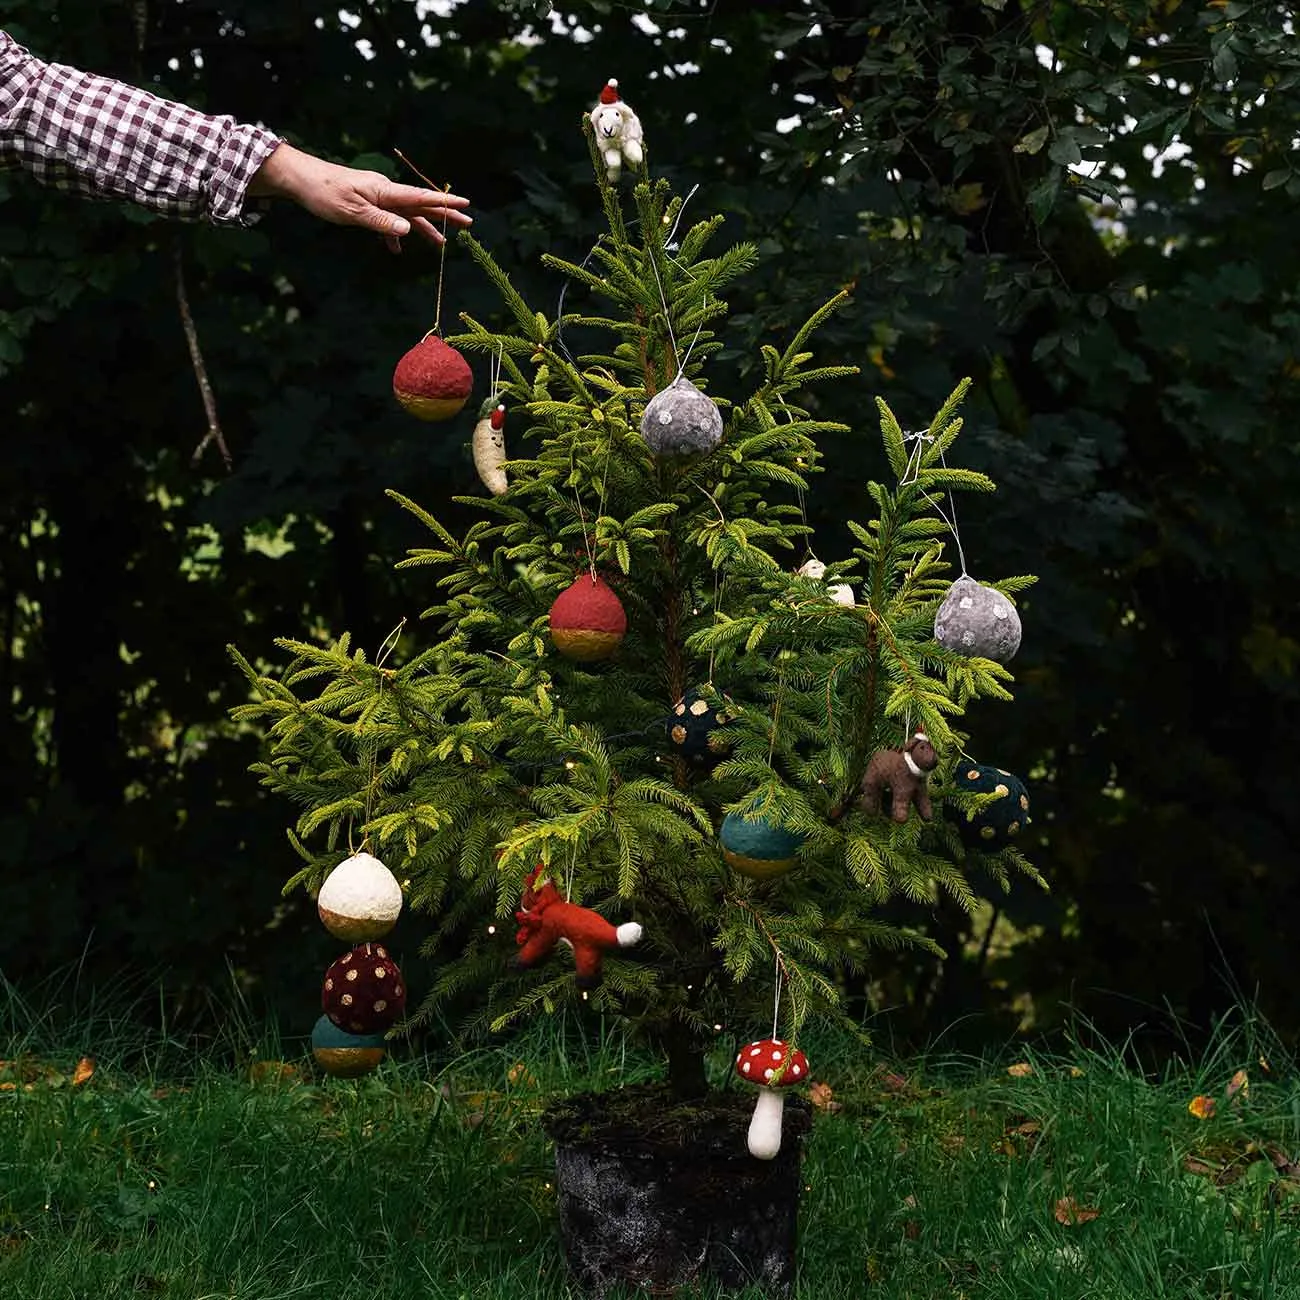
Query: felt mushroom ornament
x=772, y=1066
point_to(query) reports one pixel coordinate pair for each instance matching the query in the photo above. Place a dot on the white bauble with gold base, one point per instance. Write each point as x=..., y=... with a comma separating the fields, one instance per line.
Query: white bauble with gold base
x=360, y=899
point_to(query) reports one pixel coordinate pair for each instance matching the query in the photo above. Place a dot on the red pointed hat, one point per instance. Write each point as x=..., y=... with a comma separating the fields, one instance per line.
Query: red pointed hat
x=610, y=94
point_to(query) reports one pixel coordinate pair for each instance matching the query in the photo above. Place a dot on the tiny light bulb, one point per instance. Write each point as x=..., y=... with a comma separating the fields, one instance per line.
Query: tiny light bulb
x=717, y=1029
x=492, y=929
x=570, y=764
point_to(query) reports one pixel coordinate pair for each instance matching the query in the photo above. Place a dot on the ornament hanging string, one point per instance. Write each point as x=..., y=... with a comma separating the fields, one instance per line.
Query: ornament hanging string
x=582, y=266
x=800, y=495
x=911, y=473
x=436, y=331
x=782, y=976
x=494, y=372
x=776, y=1000
x=372, y=763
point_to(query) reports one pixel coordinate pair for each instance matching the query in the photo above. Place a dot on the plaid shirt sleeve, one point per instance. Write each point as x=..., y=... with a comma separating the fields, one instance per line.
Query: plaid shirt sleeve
x=98, y=137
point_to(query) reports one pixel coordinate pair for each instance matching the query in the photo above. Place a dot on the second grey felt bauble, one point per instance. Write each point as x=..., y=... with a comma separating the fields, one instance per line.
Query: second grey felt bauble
x=681, y=421
x=977, y=621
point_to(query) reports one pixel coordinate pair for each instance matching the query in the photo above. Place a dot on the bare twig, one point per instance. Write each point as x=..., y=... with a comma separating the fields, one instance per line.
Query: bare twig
x=214, y=433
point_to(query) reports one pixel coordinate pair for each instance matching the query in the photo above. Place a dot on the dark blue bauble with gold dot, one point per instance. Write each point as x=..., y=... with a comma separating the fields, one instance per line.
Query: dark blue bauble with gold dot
x=692, y=729
x=1001, y=821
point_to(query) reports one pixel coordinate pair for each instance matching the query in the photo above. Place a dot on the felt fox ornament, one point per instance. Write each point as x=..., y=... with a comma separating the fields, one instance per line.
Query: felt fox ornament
x=545, y=919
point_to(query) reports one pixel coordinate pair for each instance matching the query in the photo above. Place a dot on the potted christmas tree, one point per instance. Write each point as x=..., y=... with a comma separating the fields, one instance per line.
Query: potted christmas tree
x=652, y=755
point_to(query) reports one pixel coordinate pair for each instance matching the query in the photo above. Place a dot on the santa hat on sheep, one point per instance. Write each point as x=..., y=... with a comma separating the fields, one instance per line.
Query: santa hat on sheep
x=610, y=93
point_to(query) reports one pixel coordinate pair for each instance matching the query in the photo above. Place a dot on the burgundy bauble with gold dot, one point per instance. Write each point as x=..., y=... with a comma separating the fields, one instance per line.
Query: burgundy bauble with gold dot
x=364, y=991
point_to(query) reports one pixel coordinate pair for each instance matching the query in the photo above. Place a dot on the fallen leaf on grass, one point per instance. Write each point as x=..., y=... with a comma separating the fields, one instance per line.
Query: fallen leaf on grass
x=84, y=1072
x=1195, y=1165
x=272, y=1072
x=1239, y=1086
x=1202, y=1107
x=1030, y=1128
x=822, y=1097
x=1069, y=1212
x=894, y=1082
x=520, y=1075
x=1021, y=1070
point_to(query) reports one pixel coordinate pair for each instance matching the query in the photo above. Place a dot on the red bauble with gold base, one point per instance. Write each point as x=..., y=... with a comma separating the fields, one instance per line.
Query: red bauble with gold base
x=433, y=381
x=588, y=620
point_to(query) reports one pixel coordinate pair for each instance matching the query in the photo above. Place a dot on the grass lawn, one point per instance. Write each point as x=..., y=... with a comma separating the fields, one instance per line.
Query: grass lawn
x=162, y=1175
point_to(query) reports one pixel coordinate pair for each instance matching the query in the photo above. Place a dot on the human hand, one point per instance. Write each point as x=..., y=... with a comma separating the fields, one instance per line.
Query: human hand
x=348, y=196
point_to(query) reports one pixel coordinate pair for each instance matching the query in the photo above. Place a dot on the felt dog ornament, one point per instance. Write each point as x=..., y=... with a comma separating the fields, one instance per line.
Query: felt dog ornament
x=545, y=919
x=618, y=132
x=903, y=772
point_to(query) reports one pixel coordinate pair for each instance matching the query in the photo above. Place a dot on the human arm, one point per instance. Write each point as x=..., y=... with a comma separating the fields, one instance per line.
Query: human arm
x=95, y=136
x=98, y=137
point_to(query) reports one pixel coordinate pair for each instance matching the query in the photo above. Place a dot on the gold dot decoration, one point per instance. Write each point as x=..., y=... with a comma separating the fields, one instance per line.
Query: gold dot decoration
x=679, y=734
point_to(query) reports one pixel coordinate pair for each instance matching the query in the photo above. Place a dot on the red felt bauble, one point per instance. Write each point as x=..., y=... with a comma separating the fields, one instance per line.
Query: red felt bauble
x=364, y=992
x=588, y=620
x=433, y=381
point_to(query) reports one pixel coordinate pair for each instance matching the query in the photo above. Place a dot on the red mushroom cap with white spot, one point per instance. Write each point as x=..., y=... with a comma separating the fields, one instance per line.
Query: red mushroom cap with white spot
x=771, y=1063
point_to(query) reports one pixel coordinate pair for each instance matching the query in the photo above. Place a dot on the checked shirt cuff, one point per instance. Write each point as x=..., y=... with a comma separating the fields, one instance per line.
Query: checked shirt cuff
x=99, y=137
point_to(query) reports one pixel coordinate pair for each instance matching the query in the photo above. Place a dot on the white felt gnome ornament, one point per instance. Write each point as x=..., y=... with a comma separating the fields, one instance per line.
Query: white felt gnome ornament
x=618, y=132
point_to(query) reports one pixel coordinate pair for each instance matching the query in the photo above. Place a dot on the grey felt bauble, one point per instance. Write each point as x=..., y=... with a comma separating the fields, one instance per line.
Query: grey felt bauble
x=681, y=421
x=978, y=622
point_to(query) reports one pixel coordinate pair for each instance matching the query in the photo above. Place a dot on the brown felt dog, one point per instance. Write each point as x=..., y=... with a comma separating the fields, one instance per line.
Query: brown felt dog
x=903, y=771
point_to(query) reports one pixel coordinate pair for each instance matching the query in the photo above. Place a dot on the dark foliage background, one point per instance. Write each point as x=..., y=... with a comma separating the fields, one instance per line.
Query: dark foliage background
x=1089, y=207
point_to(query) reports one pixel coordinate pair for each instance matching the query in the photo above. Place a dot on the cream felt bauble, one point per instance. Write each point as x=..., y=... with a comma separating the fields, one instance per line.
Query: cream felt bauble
x=978, y=622
x=360, y=899
x=840, y=592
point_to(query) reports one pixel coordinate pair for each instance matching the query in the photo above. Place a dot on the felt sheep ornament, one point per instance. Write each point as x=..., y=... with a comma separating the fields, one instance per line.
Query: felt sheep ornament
x=903, y=772
x=618, y=132
x=545, y=919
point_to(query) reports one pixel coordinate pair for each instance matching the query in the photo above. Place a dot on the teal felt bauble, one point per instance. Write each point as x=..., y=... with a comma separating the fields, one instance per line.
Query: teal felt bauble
x=999, y=822
x=344, y=1055
x=758, y=848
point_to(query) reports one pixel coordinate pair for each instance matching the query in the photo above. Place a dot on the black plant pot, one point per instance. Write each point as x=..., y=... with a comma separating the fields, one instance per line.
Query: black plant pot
x=657, y=1193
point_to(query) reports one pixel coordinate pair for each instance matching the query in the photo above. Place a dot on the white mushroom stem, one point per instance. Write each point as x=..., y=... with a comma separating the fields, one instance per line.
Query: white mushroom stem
x=765, y=1126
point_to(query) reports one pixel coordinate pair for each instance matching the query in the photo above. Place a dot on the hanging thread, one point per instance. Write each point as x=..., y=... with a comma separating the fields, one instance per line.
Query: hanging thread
x=911, y=473
x=372, y=767
x=776, y=1001
x=436, y=331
